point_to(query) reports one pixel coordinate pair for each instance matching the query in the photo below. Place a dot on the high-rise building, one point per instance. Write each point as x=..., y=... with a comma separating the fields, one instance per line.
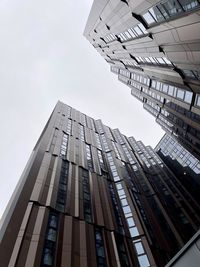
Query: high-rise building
x=182, y=163
x=90, y=196
x=154, y=48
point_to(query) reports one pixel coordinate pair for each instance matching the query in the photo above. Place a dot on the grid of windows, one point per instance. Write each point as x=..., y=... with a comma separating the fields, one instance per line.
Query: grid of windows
x=132, y=33
x=192, y=74
x=89, y=157
x=62, y=187
x=110, y=38
x=114, y=69
x=167, y=9
x=50, y=240
x=152, y=94
x=137, y=94
x=172, y=91
x=105, y=143
x=140, y=78
x=170, y=147
x=154, y=60
x=86, y=196
x=113, y=167
x=99, y=126
x=83, y=119
x=100, y=156
x=116, y=150
x=81, y=133
x=119, y=136
x=98, y=141
x=128, y=154
x=63, y=149
x=100, y=251
x=69, y=127
x=116, y=207
x=69, y=109
x=134, y=233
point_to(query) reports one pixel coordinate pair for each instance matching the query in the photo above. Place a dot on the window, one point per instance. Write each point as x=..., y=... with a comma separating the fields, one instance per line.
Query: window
x=139, y=248
x=173, y=7
x=51, y=235
x=134, y=231
x=170, y=90
x=50, y=240
x=188, y=97
x=100, y=253
x=180, y=94
x=48, y=258
x=198, y=101
x=126, y=209
x=149, y=18
x=143, y=260
x=169, y=8
x=130, y=222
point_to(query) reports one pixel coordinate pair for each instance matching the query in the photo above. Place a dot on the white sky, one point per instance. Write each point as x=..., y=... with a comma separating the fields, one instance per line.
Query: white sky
x=45, y=58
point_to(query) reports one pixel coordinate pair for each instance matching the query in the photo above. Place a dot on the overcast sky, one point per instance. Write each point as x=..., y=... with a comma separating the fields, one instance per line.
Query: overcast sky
x=45, y=58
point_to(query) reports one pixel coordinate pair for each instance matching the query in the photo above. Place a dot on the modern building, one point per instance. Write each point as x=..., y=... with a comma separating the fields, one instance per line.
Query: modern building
x=90, y=196
x=154, y=48
x=182, y=163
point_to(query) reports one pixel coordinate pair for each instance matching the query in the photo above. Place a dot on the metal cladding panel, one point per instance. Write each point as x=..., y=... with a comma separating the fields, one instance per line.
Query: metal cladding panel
x=58, y=142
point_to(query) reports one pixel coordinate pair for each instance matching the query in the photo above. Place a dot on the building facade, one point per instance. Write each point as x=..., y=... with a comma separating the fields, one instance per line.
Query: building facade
x=154, y=48
x=90, y=196
x=182, y=163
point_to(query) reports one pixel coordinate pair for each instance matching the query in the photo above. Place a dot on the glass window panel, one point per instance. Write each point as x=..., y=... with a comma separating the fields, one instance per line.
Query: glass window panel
x=165, y=88
x=130, y=222
x=124, y=202
x=171, y=90
x=128, y=34
x=172, y=7
x=134, y=231
x=125, y=37
x=139, y=248
x=149, y=19
x=153, y=11
x=142, y=28
x=160, y=60
x=132, y=33
x=198, y=101
x=127, y=215
x=180, y=93
x=153, y=83
x=116, y=178
x=119, y=186
x=188, y=97
x=157, y=14
x=152, y=60
x=138, y=31
x=48, y=259
x=167, y=61
x=143, y=260
x=158, y=86
x=121, y=192
x=51, y=235
x=163, y=11
x=126, y=209
x=147, y=60
x=188, y=4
